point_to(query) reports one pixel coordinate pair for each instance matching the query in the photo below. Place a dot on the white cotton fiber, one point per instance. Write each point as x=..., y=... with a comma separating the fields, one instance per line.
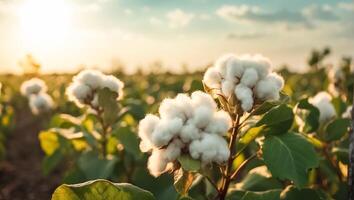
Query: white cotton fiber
x=254, y=72
x=322, y=101
x=250, y=77
x=40, y=103
x=245, y=95
x=33, y=86
x=212, y=78
x=84, y=88
x=183, y=121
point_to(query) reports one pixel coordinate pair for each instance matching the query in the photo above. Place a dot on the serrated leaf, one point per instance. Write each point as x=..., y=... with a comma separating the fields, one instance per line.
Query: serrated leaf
x=101, y=190
x=183, y=181
x=311, y=117
x=337, y=129
x=278, y=120
x=289, y=156
x=188, y=163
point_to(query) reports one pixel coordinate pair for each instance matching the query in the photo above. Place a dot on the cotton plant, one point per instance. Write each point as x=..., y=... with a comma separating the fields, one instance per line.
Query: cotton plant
x=93, y=135
x=210, y=134
x=35, y=90
x=325, y=122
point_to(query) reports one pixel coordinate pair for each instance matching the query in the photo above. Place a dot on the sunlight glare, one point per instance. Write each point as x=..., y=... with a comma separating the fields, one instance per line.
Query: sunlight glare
x=42, y=21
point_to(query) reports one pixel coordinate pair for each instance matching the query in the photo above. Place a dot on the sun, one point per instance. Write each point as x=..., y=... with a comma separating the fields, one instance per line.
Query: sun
x=42, y=21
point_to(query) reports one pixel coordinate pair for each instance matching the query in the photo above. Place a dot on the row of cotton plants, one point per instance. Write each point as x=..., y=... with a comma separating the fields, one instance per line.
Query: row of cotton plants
x=212, y=142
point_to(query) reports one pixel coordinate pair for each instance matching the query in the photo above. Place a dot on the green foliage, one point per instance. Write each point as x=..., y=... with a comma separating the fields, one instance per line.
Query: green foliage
x=289, y=156
x=248, y=195
x=337, y=129
x=101, y=190
x=278, y=120
x=189, y=163
x=311, y=117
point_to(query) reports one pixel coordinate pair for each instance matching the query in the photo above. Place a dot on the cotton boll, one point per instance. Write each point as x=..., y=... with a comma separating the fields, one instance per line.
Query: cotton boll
x=157, y=162
x=173, y=150
x=263, y=65
x=269, y=88
x=189, y=132
x=200, y=98
x=245, y=95
x=234, y=70
x=113, y=84
x=250, y=77
x=33, y=86
x=209, y=148
x=41, y=102
x=322, y=101
x=212, y=78
x=220, y=123
x=227, y=87
x=146, y=127
x=202, y=116
x=91, y=78
x=169, y=109
x=221, y=64
x=348, y=112
x=79, y=93
x=94, y=101
x=184, y=102
x=165, y=131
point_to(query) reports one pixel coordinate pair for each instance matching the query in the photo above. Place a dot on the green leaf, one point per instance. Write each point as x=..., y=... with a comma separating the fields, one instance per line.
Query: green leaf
x=293, y=193
x=337, y=129
x=259, y=179
x=289, y=156
x=248, y=195
x=51, y=161
x=129, y=140
x=311, y=117
x=95, y=167
x=278, y=120
x=189, y=164
x=247, y=138
x=64, y=121
x=108, y=101
x=101, y=190
x=183, y=181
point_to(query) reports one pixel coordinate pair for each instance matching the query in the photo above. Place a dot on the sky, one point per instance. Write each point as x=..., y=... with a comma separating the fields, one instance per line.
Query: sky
x=64, y=35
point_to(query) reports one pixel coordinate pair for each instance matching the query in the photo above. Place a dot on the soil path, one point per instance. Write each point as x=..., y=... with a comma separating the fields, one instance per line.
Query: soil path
x=21, y=176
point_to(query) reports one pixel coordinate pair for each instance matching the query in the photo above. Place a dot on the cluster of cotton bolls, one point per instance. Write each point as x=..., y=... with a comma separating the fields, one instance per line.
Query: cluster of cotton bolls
x=322, y=101
x=249, y=78
x=83, y=89
x=36, y=91
x=187, y=125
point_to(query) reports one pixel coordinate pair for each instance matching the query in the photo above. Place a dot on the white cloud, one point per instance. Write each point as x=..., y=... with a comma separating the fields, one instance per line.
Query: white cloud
x=204, y=17
x=349, y=6
x=178, y=18
x=320, y=12
x=230, y=12
x=128, y=11
x=155, y=21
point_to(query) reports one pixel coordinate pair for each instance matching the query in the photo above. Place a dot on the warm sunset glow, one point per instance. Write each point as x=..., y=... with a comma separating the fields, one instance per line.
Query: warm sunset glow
x=42, y=21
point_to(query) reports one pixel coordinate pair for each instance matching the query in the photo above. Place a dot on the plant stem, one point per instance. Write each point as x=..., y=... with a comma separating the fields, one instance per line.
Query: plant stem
x=242, y=166
x=226, y=179
x=104, y=133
